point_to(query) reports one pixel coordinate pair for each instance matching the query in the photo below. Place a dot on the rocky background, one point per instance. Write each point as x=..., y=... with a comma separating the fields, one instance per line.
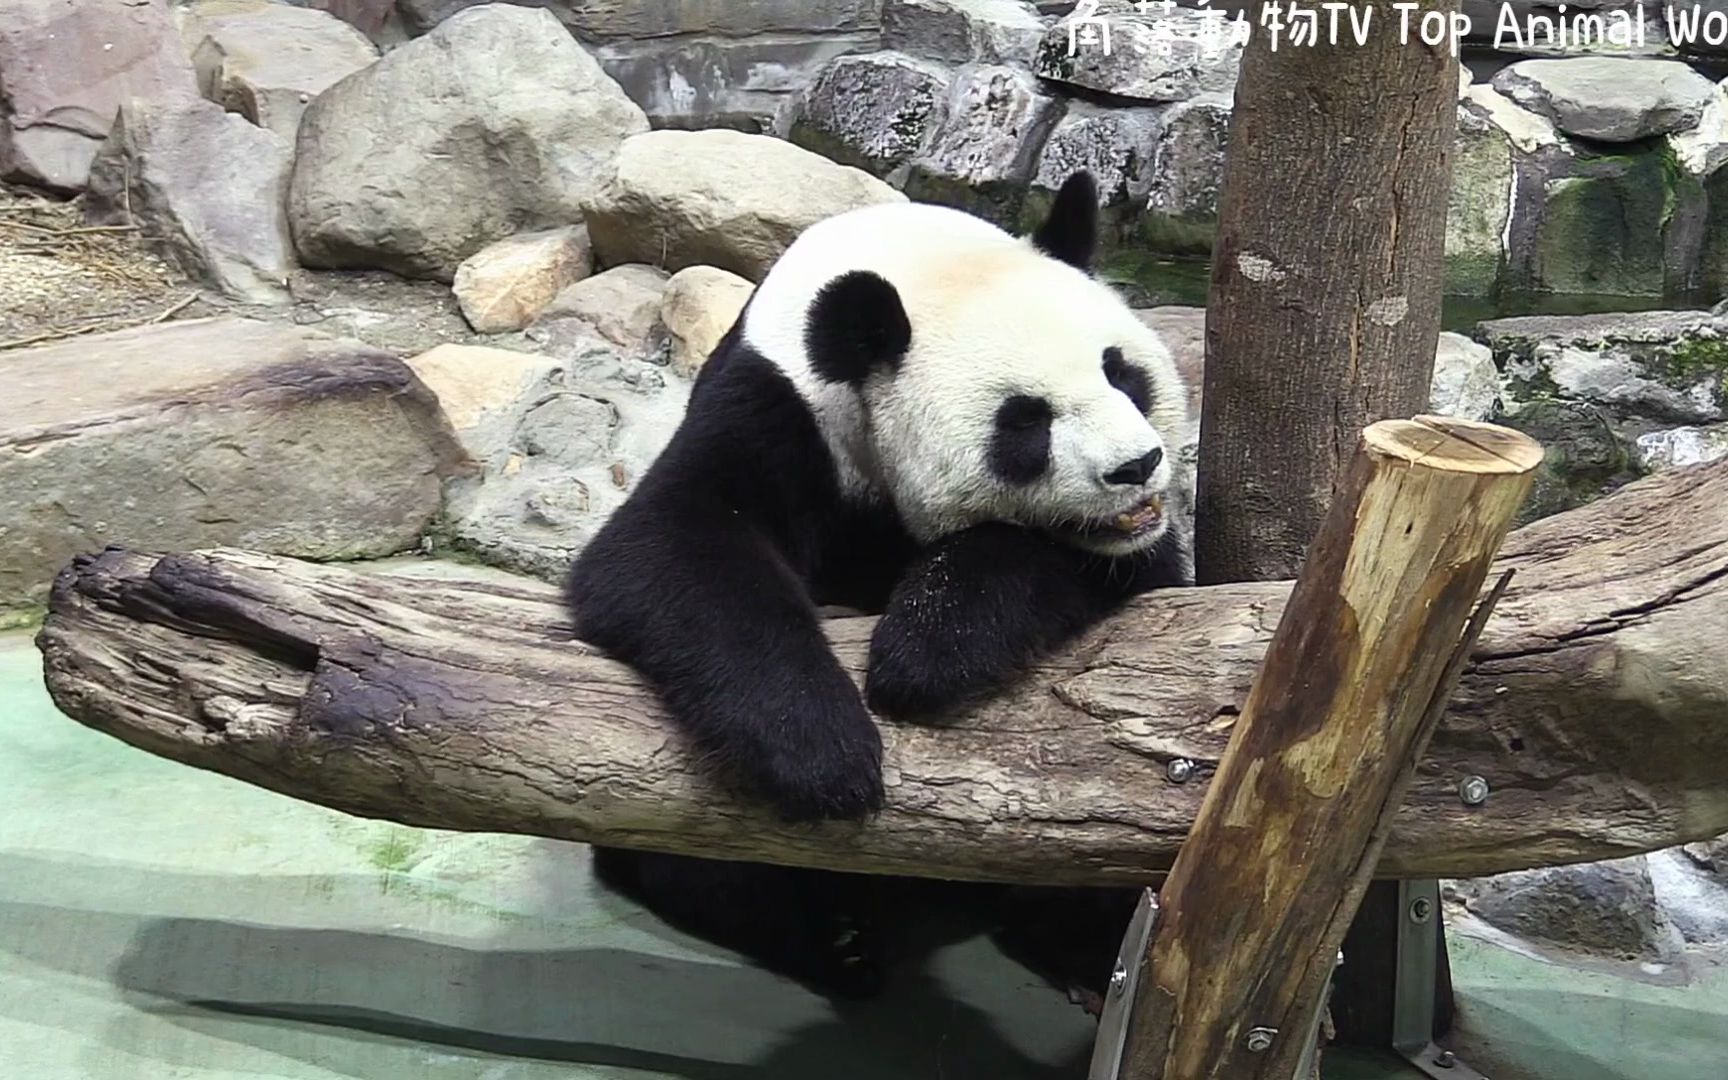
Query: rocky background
x=344, y=278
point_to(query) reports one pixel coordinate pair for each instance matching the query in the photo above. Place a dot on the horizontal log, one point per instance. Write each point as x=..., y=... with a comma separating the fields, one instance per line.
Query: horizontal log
x=1594, y=707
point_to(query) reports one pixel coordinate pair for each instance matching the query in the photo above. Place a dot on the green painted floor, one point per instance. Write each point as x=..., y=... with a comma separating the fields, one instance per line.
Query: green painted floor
x=157, y=922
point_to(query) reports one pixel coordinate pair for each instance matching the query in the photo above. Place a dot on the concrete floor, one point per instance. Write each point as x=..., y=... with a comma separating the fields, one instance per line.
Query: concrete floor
x=157, y=922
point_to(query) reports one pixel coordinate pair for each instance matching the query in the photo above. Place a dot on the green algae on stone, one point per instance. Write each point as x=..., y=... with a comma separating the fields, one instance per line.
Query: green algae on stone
x=1601, y=229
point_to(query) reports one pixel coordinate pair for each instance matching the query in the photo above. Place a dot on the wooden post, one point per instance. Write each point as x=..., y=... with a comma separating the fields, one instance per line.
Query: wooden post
x=1287, y=838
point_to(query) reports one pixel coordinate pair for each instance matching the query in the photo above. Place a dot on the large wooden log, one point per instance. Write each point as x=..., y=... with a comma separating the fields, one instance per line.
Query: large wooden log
x=1342, y=709
x=1594, y=708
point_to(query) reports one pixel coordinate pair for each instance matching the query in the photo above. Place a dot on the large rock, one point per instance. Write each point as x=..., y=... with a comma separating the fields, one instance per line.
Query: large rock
x=1187, y=176
x=1607, y=98
x=1479, y=204
x=622, y=305
x=211, y=432
x=494, y=123
x=1603, y=909
x=506, y=285
x=1466, y=383
x=1158, y=54
x=700, y=304
x=207, y=187
x=66, y=66
x=719, y=198
x=963, y=31
x=1678, y=448
x=560, y=440
x=1590, y=387
x=702, y=63
x=1606, y=224
x=1117, y=146
x=267, y=65
x=873, y=111
x=985, y=149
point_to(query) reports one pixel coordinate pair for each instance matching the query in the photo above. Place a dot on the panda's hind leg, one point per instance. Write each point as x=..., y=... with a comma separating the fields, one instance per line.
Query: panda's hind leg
x=817, y=927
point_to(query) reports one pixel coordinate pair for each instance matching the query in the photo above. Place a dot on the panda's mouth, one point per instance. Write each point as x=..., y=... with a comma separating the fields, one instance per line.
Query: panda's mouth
x=1137, y=521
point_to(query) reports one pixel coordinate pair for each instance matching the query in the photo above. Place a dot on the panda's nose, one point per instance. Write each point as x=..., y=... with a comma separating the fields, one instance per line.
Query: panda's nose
x=1135, y=472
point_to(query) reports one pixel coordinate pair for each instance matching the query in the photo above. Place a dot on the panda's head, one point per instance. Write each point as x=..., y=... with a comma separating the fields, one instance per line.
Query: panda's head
x=998, y=380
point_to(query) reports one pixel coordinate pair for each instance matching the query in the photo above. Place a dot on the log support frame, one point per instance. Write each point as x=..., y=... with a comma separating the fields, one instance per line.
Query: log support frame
x=1368, y=652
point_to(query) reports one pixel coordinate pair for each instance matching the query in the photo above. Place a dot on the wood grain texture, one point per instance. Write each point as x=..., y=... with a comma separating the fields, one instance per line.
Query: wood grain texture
x=1326, y=284
x=1594, y=707
x=1285, y=844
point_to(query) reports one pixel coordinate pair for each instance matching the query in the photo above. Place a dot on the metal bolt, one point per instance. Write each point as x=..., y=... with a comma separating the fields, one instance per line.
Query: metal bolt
x=1445, y=1060
x=1118, y=979
x=1260, y=1039
x=1473, y=790
x=1421, y=909
x=1180, y=770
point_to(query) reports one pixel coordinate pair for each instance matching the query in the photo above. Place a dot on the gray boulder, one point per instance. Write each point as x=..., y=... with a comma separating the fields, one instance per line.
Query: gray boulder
x=1479, y=204
x=1605, y=909
x=206, y=187
x=1466, y=383
x=1116, y=145
x=1711, y=855
x=212, y=432
x=873, y=111
x=1154, y=55
x=985, y=149
x=560, y=439
x=702, y=63
x=66, y=68
x=1678, y=448
x=963, y=31
x=494, y=123
x=1187, y=176
x=506, y=285
x=622, y=304
x=718, y=198
x=267, y=65
x=1609, y=99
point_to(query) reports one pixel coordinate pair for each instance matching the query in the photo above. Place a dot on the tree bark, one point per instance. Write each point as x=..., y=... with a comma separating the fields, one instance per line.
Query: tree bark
x=1354, y=680
x=1327, y=277
x=1593, y=708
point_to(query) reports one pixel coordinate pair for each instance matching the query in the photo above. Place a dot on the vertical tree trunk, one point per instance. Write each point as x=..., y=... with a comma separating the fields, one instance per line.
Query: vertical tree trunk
x=1327, y=278
x=1326, y=281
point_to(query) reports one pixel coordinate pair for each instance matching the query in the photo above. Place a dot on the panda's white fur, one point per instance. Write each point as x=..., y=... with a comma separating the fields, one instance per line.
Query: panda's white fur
x=990, y=316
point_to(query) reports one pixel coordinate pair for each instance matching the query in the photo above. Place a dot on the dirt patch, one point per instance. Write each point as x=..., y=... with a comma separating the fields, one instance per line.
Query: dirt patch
x=60, y=278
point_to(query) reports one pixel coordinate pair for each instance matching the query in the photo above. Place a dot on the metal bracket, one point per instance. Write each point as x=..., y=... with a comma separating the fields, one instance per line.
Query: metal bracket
x=1413, y=986
x=1124, y=981
x=1114, y=1018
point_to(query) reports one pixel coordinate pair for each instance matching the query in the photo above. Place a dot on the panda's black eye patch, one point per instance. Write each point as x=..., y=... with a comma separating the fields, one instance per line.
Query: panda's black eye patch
x=1020, y=445
x=1127, y=378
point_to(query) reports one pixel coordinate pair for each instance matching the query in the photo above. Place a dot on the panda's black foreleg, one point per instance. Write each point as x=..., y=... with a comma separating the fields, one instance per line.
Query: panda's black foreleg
x=697, y=598
x=977, y=606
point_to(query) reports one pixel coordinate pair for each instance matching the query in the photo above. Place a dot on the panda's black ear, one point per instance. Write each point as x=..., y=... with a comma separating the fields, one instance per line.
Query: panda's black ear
x=1070, y=230
x=856, y=325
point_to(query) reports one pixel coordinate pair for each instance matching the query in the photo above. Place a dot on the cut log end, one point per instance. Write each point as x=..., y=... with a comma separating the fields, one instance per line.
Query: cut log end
x=1448, y=444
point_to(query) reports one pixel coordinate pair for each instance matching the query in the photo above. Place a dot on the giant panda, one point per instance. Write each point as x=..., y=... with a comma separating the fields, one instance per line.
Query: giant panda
x=917, y=414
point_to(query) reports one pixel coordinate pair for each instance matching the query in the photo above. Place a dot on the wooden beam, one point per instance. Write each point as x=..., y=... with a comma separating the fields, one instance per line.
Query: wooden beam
x=1259, y=900
x=1593, y=708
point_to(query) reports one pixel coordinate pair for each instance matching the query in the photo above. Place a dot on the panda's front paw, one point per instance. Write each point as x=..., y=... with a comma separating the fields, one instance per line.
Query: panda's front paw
x=823, y=759
x=915, y=675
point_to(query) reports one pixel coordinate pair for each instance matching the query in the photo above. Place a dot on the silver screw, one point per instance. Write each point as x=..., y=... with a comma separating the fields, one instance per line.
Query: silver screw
x=1473, y=790
x=1260, y=1039
x=1421, y=909
x=1445, y=1060
x=1180, y=770
x=1118, y=979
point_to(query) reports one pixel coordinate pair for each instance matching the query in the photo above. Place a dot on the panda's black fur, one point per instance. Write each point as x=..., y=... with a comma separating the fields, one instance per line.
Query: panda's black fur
x=708, y=579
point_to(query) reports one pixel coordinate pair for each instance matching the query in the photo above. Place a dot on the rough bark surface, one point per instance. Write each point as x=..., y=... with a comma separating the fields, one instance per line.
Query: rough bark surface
x=1326, y=280
x=1593, y=707
x=1353, y=682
